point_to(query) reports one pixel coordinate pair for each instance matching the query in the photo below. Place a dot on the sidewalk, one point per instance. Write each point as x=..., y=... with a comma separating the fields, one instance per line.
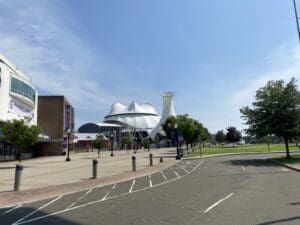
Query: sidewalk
x=47, y=177
x=48, y=171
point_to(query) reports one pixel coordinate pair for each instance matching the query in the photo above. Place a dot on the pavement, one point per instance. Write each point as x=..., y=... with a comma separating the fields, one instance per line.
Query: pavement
x=227, y=190
x=45, y=177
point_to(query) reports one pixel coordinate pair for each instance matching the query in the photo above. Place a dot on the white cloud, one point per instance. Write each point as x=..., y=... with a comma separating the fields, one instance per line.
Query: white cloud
x=41, y=38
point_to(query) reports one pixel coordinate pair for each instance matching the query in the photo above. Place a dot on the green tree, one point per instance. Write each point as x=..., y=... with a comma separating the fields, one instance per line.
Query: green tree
x=232, y=135
x=220, y=136
x=21, y=134
x=275, y=111
x=127, y=140
x=99, y=143
x=145, y=143
x=191, y=129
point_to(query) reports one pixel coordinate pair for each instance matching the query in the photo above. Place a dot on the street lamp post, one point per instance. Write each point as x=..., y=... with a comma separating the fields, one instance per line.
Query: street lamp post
x=112, y=144
x=148, y=144
x=177, y=144
x=135, y=145
x=68, y=149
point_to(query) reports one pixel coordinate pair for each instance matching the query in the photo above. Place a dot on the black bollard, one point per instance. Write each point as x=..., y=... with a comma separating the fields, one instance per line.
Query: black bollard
x=133, y=163
x=18, y=177
x=151, y=159
x=95, y=168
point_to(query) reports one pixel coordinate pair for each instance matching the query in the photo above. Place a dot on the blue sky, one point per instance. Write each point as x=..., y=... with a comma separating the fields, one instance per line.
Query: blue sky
x=213, y=54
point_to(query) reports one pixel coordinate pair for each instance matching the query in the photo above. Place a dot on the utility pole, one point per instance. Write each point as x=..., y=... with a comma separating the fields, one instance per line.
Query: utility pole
x=297, y=19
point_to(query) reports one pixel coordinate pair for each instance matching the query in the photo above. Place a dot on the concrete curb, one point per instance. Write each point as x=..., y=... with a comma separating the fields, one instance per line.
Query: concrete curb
x=284, y=165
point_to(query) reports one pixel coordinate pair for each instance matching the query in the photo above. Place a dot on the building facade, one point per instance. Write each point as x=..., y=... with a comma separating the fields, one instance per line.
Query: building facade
x=18, y=100
x=18, y=97
x=55, y=119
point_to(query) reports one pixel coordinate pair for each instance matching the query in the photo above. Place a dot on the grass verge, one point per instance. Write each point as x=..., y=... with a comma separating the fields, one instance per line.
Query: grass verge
x=256, y=148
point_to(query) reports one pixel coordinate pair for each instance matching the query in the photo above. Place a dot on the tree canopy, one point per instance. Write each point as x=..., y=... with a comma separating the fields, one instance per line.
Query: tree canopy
x=233, y=135
x=220, y=136
x=276, y=110
x=191, y=130
x=19, y=132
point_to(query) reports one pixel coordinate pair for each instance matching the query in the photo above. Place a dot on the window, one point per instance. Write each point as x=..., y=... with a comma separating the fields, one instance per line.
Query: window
x=19, y=87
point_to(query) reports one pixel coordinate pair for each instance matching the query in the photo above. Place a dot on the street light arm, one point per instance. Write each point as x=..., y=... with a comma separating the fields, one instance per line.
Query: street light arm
x=297, y=19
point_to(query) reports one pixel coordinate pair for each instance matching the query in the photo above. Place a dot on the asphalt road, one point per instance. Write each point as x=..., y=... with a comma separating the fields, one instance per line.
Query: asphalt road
x=228, y=190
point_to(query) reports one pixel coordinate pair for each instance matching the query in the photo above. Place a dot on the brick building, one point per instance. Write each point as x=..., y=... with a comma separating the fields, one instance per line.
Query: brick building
x=55, y=119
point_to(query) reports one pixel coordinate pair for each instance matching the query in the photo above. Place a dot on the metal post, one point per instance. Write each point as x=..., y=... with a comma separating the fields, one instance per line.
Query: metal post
x=68, y=149
x=151, y=159
x=134, y=145
x=148, y=144
x=177, y=147
x=133, y=163
x=95, y=168
x=161, y=159
x=18, y=177
x=112, y=144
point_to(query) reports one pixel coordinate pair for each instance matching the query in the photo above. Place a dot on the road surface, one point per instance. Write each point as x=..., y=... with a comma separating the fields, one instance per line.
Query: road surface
x=227, y=190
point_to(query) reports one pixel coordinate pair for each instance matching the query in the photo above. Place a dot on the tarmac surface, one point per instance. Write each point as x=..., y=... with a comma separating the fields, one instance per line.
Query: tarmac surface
x=227, y=190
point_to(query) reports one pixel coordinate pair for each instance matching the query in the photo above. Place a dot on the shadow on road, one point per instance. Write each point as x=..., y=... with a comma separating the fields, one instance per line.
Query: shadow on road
x=12, y=217
x=249, y=162
x=280, y=221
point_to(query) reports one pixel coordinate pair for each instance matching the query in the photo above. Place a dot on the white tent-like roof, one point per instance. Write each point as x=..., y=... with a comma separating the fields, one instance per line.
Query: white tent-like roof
x=140, y=117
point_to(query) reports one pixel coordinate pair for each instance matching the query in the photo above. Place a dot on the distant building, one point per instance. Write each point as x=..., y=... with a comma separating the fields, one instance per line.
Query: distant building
x=18, y=100
x=55, y=119
x=142, y=118
x=88, y=132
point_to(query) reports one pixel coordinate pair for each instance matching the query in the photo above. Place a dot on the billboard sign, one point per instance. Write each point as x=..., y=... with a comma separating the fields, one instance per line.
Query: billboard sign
x=20, y=109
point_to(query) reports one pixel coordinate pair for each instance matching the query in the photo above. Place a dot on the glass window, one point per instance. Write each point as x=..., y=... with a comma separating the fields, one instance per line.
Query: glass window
x=22, y=88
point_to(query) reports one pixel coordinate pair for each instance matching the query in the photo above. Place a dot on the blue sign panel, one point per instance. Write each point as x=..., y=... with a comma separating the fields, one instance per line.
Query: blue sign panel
x=67, y=118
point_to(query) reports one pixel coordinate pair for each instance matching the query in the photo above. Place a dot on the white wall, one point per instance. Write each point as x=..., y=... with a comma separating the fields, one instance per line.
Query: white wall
x=14, y=106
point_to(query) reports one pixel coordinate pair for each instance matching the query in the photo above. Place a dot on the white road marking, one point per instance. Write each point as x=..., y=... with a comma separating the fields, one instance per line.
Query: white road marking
x=284, y=169
x=105, y=196
x=164, y=176
x=176, y=174
x=217, y=203
x=103, y=199
x=150, y=181
x=89, y=191
x=185, y=170
x=130, y=190
x=38, y=209
x=243, y=168
x=10, y=210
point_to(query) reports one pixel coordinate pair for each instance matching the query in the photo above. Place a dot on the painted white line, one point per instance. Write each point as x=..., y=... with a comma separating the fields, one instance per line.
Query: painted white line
x=164, y=176
x=283, y=169
x=130, y=190
x=113, y=187
x=10, y=210
x=185, y=170
x=150, y=181
x=103, y=199
x=36, y=210
x=89, y=191
x=243, y=168
x=176, y=174
x=217, y=203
